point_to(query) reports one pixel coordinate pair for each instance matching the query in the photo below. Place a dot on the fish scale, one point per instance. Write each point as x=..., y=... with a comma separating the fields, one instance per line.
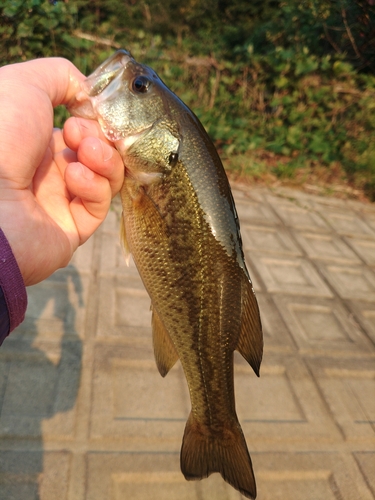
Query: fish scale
x=181, y=226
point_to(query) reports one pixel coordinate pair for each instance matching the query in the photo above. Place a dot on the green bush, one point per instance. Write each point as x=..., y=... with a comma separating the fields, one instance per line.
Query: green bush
x=292, y=79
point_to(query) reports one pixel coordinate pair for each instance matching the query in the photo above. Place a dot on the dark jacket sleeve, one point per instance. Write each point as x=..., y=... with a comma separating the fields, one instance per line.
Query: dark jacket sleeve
x=13, y=297
x=4, y=318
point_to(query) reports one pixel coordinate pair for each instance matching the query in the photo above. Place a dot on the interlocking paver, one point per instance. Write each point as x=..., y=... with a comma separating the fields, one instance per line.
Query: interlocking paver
x=289, y=275
x=350, y=282
x=322, y=325
x=85, y=415
x=268, y=240
x=275, y=332
x=326, y=247
x=364, y=248
x=256, y=212
x=283, y=409
x=345, y=221
x=296, y=216
x=310, y=476
x=366, y=463
x=23, y=473
x=348, y=387
x=364, y=313
x=134, y=404
x=123, y=311
x=139, y=475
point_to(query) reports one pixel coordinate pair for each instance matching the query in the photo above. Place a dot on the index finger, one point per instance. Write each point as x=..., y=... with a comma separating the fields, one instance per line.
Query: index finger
x=56, y=76
x=76, y=129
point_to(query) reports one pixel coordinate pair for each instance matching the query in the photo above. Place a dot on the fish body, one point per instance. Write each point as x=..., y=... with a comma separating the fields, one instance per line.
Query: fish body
x=181, y=226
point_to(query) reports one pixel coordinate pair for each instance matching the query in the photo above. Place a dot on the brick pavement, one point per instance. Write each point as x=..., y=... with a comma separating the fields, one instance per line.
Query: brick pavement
x=86, y=416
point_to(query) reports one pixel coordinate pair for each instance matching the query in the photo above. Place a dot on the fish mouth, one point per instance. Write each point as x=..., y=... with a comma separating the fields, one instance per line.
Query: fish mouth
x=106, y=79
x=100, y=85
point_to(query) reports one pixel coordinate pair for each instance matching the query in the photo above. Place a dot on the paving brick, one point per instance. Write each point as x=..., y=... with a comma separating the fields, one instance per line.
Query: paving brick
x=255, y=212
x=298, y=217
x=268, y=240
x=134, y=404
x=282, y=409
x=275, y=333
x=256, y=282
x=326, y=247
x=113, y=259
x=85, y=415
x=299, y=476
x=56, y=309
x=124, y=310
x=138, y=476
x=364, y=312
x=83, y=257
x=346, y=222
x=248, y=193
x=348, y=387
x=34, y=475
x=322, y=325
x=38, y=396
x=309, y=476
x=307, y=200
x=289, y=275
x=366, y=463
x=350, y=282
x=364, y=248
x=369, y=216
x=113, y=219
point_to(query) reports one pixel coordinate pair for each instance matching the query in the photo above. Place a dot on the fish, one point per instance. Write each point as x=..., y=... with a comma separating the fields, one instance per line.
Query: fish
x=181, y=226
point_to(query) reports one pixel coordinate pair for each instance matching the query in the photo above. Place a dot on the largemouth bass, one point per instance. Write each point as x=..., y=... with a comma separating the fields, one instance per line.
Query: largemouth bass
x=181, y=226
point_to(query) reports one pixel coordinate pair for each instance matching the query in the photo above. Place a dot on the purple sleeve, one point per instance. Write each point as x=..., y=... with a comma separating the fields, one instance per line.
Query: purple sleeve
x=13, y=294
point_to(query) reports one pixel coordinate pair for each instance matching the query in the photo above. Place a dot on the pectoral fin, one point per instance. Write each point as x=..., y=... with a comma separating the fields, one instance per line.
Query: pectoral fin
x=250, y=342
x=164, y=350
x=124, y=242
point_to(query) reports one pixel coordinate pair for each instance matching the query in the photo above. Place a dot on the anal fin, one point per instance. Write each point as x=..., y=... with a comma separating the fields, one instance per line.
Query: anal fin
x=164, y=350
x=250, y=342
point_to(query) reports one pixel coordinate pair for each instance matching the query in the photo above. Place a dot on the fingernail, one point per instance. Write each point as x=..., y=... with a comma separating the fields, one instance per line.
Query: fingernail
x=107, y=151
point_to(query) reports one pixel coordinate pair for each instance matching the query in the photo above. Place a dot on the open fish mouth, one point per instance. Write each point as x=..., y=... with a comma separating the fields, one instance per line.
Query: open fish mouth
x=110, y=72
x=101, y=85
x=104, y=86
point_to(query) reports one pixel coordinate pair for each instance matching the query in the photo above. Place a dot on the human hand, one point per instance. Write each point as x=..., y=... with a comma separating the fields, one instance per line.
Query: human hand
x=55, y=186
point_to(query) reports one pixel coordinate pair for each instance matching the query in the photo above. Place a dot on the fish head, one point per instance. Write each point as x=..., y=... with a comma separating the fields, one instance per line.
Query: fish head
x=126, y=97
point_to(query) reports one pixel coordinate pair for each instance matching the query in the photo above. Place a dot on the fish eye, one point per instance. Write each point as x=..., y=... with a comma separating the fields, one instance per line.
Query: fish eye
x=173, y=159
x=141, y=84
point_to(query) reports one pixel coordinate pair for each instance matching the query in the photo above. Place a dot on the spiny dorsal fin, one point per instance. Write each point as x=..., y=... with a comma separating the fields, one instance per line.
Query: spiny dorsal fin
x=250, y=342
x=164, y=350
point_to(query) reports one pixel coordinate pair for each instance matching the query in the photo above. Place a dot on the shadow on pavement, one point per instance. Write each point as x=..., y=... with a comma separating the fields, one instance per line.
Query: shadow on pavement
x=40, y=365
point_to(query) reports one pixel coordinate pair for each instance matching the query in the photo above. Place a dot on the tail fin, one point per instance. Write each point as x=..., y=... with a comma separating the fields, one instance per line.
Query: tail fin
x=204, y=451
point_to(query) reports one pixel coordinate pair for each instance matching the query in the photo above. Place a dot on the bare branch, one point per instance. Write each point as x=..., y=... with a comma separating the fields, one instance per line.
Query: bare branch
x=96, y=39
x=334, y=45
x=351, y=38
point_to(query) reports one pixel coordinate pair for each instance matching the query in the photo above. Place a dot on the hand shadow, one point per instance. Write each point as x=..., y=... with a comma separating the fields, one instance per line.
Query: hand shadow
x=40, y=365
